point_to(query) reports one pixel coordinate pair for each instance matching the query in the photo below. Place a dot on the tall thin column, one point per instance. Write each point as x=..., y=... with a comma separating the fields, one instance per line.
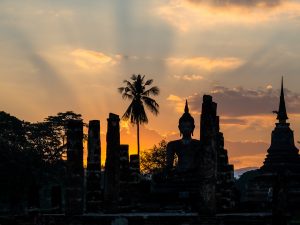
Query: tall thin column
x=112, y=163
x=74, y=183
x=93, y=179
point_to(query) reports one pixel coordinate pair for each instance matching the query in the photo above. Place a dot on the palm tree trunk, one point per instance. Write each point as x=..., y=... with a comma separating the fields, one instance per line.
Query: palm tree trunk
x=138, y=143
x=138, y=139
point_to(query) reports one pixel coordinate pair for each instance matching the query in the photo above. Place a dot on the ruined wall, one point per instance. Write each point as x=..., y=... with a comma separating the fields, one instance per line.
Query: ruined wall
x=215, y=160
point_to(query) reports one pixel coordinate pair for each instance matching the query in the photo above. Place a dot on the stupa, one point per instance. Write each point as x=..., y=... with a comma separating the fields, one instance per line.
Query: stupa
x=277, y=183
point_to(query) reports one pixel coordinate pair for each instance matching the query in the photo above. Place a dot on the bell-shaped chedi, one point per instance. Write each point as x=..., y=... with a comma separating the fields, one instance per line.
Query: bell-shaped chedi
x=282, y=154
x=276, y=184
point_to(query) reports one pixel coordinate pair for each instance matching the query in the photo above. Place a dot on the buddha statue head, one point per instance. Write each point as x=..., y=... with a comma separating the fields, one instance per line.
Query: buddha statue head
x=186, y=123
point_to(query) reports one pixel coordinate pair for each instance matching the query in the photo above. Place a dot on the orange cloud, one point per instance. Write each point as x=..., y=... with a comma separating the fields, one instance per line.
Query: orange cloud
x=203, y=63
x=179, y=102
x=189, y=77
x=264, y=121
x=78, y=61
x=252, y=128
x=87, y=59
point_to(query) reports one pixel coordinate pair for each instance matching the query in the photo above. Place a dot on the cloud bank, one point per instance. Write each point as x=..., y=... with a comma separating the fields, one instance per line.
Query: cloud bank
x=237, y=102
x=187, y=15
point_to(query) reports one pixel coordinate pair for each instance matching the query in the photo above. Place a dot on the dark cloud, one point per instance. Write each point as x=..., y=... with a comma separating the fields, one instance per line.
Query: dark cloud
x=233, y=121
x=245, y=102
x=241, y=3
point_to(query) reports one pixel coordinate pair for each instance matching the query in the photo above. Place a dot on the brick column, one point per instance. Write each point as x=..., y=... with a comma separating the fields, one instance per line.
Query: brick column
x=74, y=186
x=93, y=175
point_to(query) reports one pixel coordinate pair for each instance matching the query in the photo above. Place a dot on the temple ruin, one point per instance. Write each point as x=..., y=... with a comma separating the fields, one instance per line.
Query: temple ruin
x=199, y=189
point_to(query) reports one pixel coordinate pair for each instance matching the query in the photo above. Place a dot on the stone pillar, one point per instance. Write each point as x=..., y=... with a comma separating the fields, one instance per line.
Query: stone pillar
x=134, y=168
x=208, y=164
x=125, y=188
x=93, y=174
x=74, y=182
x=124, y=162
x=112, y=163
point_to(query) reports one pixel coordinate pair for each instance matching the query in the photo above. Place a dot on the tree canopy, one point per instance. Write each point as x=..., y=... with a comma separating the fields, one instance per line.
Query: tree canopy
x=155, y=159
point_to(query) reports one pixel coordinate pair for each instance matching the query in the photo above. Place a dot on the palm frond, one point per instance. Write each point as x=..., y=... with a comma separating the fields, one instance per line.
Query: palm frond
x=142, y=117
x=127, y=96
x=151, y=104
x=138, y=86
x=128, y=112
x=129, y=85
x=138, y=112
x=149, y=82
x=133, y=77
x=121, y=89
x=152, y=91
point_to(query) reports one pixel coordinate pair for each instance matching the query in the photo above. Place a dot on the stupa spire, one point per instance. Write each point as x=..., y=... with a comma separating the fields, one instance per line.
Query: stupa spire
x=281, y=114
x=186, y=108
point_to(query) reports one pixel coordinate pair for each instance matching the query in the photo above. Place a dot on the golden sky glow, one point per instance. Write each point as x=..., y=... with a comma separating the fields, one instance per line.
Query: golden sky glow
x=73, y=55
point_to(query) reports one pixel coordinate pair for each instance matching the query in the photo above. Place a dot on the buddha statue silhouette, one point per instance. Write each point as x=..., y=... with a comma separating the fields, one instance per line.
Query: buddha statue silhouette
x=186, y=149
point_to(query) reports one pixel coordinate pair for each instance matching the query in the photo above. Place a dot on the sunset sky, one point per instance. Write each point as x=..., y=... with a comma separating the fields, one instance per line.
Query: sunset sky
x=64, y=55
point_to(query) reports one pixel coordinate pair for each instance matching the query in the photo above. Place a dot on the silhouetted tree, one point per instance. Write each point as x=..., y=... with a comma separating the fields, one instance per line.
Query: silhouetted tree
x=154, y=159
x=29, y=152
x=136, y=91
x=12, y=132
x=49, y=137
x=19, y=163
x=59, y=123
x=44, y=140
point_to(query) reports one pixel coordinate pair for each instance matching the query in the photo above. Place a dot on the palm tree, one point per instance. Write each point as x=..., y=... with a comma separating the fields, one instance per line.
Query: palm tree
x=136, y=91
